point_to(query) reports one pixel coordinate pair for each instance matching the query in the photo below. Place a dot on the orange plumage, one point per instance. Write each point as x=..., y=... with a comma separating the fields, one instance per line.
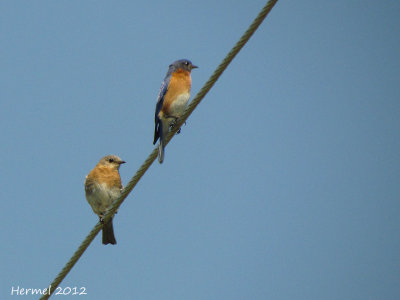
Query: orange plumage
x=102, y=186
x=180, y=84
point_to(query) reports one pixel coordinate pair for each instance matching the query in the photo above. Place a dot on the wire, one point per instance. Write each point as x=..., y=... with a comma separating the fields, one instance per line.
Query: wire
x=153, y=155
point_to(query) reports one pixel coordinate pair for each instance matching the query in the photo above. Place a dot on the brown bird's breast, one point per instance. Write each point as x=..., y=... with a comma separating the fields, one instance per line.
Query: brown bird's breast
x=105, y=175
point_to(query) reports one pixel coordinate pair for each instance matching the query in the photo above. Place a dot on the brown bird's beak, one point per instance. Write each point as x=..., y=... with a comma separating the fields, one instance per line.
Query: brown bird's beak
x=122, y=162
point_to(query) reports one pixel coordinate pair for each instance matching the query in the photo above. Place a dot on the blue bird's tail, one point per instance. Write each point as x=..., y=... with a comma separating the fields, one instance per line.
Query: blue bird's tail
x=161, y=146
x=161, y=152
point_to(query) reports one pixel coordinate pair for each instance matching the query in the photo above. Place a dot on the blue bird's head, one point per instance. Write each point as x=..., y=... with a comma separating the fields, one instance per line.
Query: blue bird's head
x=183, y=64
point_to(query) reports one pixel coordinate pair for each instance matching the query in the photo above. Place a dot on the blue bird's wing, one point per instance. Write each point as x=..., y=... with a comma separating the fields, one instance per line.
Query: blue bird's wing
x=160, y=101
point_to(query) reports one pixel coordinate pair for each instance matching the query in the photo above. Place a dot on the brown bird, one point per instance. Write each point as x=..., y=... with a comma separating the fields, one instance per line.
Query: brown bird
x=102, y=186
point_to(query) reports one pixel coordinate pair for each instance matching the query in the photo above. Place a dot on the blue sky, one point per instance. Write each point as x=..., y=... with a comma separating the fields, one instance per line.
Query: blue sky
x=284, y=184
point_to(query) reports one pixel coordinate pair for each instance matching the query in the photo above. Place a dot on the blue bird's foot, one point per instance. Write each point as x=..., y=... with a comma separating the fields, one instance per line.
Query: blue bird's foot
x=179, y=131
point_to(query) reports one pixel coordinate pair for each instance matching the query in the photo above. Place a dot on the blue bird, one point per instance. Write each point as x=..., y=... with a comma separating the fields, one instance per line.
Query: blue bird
x=172, y=100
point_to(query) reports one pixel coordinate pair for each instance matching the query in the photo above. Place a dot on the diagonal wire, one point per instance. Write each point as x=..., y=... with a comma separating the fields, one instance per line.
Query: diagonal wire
x=153, y=155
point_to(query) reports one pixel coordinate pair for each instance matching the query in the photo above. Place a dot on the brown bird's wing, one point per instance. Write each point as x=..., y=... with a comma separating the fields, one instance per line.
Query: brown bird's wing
x=89, y=186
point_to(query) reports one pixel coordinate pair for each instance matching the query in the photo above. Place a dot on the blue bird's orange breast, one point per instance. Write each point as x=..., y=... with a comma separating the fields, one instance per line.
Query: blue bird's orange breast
x=178, y=93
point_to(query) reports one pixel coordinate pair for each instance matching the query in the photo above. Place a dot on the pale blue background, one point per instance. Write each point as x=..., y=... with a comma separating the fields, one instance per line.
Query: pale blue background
x=284, y=184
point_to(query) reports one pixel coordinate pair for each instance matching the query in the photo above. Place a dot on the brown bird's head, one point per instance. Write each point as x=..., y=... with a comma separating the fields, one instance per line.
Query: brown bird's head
x=111, y=161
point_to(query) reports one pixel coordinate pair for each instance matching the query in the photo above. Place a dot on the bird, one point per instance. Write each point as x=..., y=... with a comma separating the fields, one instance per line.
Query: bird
x=172, y=100
x=102, y=186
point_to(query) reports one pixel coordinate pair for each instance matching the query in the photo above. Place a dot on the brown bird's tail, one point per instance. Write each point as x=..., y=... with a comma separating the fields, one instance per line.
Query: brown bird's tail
x=108, y=234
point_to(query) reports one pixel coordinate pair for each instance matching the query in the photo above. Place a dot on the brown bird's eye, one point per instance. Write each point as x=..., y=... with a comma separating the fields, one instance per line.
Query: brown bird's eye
x=111, y=160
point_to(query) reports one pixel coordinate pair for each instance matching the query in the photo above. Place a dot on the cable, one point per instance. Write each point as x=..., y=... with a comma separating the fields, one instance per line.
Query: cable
x=153, y=155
